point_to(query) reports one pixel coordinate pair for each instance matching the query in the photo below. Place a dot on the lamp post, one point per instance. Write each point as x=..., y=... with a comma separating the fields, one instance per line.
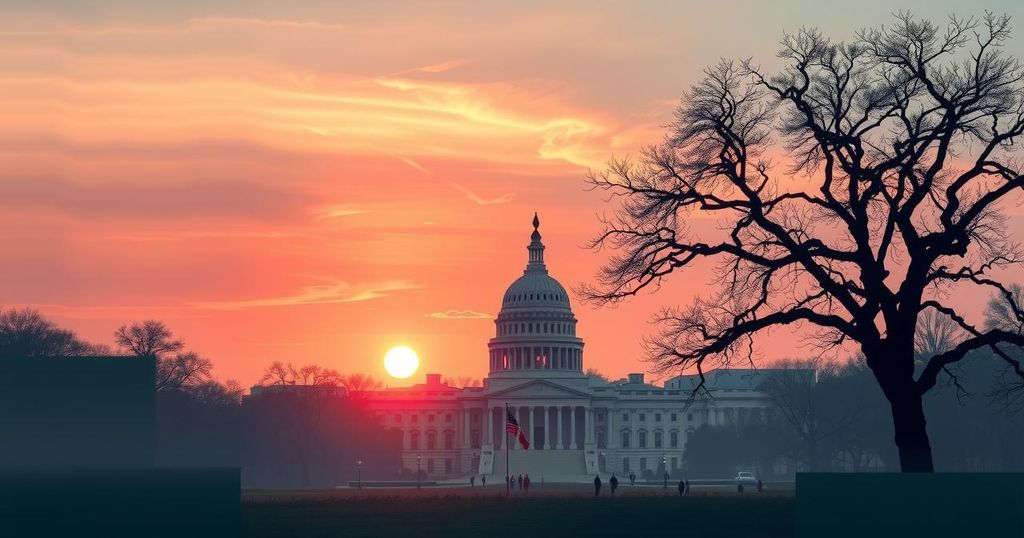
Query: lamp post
x=418, y=458
x=359, y=476
x=602, y=464
x=664, y=469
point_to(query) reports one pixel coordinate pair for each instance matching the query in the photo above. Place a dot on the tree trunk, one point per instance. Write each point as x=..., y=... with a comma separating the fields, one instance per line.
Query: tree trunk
x=911, y=432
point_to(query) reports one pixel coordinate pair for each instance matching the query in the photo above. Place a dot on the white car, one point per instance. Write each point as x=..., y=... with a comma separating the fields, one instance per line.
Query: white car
x=746, y=478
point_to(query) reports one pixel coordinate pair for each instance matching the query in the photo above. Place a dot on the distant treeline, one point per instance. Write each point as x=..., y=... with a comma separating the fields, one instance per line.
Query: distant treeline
x=842, y=422
x=305, y=431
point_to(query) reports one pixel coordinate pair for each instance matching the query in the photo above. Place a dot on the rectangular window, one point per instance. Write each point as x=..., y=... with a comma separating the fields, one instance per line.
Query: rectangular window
x=625, y=439
x=657, y=417
x=673, y=439
x=625, y=417
x=689, y=417
x=643, y=464
x=672, y=417
x=430, y=418
x=625, y=465
x=448, y=418
x=643, y=417
x=675, y=463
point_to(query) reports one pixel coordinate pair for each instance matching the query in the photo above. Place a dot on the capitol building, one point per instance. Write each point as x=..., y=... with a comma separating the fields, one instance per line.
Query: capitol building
x=577, y=425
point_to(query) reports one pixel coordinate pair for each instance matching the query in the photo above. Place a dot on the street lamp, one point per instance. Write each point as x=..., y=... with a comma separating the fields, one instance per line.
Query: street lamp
x=418, y=458
x=602, y=465
x=359, y=468
x=664, y=469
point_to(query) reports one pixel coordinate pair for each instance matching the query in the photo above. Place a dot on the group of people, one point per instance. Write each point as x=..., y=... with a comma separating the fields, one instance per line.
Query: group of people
x=613, y=484
x=483, y=480
x=521, y=482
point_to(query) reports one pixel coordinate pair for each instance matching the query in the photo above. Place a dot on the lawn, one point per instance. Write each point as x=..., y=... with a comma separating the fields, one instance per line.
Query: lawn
x=566, y=511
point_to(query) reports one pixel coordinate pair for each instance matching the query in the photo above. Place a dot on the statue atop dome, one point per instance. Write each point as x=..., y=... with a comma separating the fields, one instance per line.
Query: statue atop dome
x=536, y=249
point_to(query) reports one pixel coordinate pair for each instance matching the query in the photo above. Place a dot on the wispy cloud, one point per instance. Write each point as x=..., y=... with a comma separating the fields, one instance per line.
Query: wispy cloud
x=335, y=211
x=331, y=293
x=277, y=23
x=458, y=314
x=504, y=198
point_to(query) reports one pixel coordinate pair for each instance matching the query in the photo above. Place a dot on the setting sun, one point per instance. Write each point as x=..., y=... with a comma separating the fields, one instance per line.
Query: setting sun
x=401, y=362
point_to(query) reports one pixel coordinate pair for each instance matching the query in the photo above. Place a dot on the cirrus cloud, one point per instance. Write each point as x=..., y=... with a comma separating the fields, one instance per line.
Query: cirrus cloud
x=458, y=314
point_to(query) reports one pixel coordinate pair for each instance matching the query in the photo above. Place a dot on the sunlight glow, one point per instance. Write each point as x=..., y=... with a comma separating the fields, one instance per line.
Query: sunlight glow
x=401, y=362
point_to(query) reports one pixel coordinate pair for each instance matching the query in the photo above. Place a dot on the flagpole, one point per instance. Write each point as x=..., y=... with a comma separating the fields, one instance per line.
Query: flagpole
x=508, y=479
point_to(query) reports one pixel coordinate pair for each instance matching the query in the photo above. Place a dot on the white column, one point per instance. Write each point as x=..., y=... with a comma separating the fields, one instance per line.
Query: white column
x=558, y=426
x=633, y=427
x=612, y=435
x=547, y=427
x=465, y=429
x=592, y=428
x=573, y=435
x=488, y=431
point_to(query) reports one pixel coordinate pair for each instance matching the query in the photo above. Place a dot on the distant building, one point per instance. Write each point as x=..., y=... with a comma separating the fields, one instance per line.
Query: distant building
x=576, y=425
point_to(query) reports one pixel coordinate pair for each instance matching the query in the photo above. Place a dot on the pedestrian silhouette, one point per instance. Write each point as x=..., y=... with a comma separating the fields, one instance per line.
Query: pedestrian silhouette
x=632, y=478
x=682, y=487
x=472, y=481
x=526, y=483
x=613, y=483
x=687, y=492
x=597, y=485
x=760, y=485
x=483, y=480
x=519, y=482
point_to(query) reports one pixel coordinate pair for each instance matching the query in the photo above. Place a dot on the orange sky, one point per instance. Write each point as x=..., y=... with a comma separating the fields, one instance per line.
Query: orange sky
x=316, y=182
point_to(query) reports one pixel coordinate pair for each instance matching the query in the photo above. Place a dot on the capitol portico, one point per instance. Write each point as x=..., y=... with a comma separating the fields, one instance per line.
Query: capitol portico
x=577, y=425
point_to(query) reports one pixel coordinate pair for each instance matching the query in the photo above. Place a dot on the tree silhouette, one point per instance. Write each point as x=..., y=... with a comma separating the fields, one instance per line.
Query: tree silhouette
x=901, y=144
x=151, y=338
x=26, y=333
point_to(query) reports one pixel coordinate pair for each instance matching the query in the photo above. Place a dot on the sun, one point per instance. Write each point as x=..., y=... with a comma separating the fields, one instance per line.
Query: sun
x=401, y=362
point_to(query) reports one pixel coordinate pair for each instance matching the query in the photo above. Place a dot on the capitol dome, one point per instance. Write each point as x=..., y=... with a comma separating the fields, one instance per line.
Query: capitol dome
x=536, y=329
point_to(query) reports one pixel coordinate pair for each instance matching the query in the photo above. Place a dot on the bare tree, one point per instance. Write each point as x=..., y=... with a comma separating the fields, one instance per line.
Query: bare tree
x=183, y=371
x=26, y=333
x=936, y=333
x=151, y=338
x=281, y=373
x=360, y=383
x=1004, y=311
x=901, y=146
x=462, y=381
x=594, y=373
x=315, y=392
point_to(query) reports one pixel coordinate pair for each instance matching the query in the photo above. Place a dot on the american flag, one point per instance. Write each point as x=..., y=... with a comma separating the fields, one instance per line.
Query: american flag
x=512, y=426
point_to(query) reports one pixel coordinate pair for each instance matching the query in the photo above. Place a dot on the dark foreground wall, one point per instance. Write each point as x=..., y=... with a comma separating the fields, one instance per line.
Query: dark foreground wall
x=859, y=505
x=114, y=503
x=77, y=411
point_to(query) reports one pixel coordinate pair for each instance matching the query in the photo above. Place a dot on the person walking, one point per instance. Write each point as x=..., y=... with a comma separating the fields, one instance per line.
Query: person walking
x=526, y=483
x=472, y=481
x=483, y=480
x=687, y=491
x=682, y=487
x=632, y=478
x=760, y=485
x=665, y=484
x=597, y=485
x=613, y=483
x=519, y=481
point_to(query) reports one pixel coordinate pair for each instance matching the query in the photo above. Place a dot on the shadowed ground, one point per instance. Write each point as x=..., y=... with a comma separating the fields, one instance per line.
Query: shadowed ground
x=550, y=510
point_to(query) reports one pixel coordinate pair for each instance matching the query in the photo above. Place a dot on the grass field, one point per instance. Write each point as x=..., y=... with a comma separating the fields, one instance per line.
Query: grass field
x=486, y=513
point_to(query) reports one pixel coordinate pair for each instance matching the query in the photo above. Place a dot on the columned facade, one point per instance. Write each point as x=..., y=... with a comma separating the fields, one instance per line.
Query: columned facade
x=576, y=426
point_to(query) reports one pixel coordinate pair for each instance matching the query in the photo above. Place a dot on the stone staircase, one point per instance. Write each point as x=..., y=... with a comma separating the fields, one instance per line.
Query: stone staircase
x=551, y=465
